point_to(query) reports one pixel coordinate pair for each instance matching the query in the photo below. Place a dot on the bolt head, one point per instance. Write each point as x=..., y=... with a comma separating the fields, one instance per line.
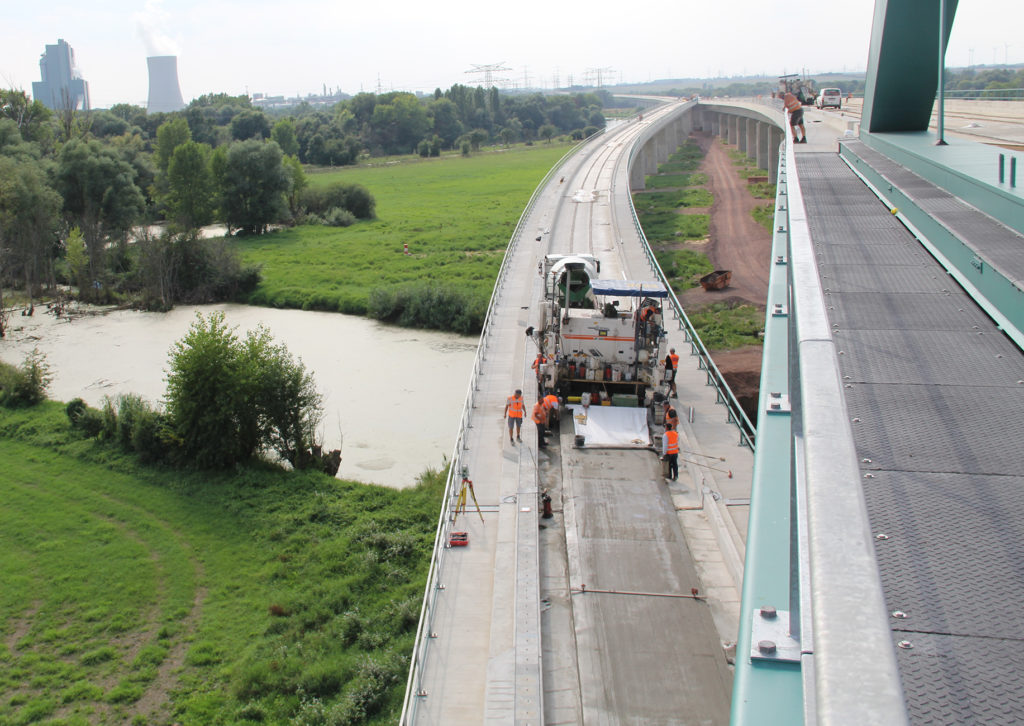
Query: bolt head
x=768, y=612
x=766, y=647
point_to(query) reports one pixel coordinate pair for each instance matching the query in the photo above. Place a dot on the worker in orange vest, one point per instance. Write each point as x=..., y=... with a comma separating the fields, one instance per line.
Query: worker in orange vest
x=670, y=451
x=796, y=117
x=515, y=408
x=537, y=363
x=671, y=417
x=551, y=404
x=671, y=366
x=540, y=416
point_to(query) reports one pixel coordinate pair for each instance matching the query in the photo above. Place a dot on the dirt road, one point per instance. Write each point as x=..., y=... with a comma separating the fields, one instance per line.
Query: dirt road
x=737, y=242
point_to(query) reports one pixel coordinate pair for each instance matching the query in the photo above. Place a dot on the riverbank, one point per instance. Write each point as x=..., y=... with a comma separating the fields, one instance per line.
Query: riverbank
x=392, y=396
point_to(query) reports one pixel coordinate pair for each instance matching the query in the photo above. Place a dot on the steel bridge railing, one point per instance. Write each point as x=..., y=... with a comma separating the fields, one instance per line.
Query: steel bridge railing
x=413, y=688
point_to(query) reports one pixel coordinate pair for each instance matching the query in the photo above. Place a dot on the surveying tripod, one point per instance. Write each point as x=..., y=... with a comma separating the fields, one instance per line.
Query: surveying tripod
x=460, y=502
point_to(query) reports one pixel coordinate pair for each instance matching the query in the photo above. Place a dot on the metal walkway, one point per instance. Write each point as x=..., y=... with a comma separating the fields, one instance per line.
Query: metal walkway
x=935, y=393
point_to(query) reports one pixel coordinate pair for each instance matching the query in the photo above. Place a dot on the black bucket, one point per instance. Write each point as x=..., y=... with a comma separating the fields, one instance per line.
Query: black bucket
x=579, y=440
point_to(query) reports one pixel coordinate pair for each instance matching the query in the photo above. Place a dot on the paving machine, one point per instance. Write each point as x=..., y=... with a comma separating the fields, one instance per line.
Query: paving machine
x=601, y=339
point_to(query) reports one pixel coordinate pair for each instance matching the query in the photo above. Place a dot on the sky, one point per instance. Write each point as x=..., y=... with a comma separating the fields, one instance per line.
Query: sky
x=300, y=47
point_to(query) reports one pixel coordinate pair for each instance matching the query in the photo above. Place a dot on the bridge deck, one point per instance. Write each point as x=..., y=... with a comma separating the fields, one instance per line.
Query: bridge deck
x=935, y=393
x=509, y=615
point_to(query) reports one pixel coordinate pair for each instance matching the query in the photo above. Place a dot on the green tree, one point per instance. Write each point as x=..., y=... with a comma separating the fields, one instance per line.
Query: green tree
x=31, y=116
x=77, y=257
x=29, y=216
x=299, y=182
x=229, y=399
x=398, y=126
x=100, y=196
x=445, y=115
x=250, y=124
x=169, y=137
x=190, y=187
x=254, y=185
x=284, y=134
x=547, y=131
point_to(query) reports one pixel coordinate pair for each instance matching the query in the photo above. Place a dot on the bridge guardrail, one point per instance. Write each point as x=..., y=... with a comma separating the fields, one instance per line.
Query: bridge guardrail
x=423, y=630
x=737, y=415
x=854, y=675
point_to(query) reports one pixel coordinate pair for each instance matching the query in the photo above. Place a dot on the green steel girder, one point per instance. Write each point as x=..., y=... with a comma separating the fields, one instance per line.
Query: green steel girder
x=903, y=64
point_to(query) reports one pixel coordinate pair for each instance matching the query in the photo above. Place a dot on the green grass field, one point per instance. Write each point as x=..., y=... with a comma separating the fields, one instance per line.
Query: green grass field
x=455, y=213
x=723, y=326
x=148, y=596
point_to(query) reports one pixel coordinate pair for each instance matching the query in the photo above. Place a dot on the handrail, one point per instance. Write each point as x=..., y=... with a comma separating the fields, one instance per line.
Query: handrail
x=737, y=415
x=855, y=675
x=455, y=468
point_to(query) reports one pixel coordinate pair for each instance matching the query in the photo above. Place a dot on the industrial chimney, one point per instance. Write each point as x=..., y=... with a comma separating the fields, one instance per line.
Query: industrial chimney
x=164, y=91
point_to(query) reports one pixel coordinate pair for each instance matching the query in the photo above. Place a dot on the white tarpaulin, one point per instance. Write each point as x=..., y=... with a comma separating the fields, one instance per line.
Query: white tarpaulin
x=611, y=426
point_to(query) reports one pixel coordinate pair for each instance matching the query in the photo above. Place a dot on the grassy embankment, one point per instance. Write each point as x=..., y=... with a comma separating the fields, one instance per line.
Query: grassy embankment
x=455, y=213
x=721, y=326
x=763, y=214
x=252, y=596
x=661, y=208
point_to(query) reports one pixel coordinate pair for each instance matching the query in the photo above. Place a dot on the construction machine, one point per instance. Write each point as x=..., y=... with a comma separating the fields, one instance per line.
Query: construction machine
x=601, y=340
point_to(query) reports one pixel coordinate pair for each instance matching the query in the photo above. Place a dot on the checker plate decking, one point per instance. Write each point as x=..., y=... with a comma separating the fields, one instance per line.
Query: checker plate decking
x=936, y=397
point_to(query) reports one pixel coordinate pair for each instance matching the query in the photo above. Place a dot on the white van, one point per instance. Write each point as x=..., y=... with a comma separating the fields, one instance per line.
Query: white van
x=830, y=97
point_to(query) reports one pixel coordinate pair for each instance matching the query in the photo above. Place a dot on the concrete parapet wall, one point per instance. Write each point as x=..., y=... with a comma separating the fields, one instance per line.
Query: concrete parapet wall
x=757, y=132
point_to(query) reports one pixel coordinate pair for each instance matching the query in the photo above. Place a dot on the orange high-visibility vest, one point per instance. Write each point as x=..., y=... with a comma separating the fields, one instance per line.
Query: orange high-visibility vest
x=792, y=103
x=540, y=414
x=515, y=407
x=550, y=400
x=674, y=357
x=671, y=442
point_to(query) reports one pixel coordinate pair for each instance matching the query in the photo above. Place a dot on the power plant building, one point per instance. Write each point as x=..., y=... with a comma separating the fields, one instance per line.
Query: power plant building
x=164, y=91
x=62, y=86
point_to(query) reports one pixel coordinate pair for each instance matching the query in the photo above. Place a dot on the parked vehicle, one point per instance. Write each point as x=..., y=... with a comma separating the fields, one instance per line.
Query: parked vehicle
x=830, y=97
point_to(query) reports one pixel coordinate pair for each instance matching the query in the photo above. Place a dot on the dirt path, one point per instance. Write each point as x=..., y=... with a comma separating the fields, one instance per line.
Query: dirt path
x=736, y=242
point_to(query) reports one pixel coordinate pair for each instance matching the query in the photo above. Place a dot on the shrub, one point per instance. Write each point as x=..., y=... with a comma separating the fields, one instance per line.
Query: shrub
x=76, y=410
x=130, y=407
x=229, y=399
x=427, y=305
x=338, y=217
x=25, y=386
x=354, y=198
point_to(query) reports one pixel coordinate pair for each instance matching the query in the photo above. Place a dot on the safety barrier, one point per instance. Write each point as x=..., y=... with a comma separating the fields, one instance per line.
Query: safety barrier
x=455, y=473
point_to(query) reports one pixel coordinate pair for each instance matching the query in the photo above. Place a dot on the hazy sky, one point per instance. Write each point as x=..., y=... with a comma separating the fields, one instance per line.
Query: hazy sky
x=298, y=47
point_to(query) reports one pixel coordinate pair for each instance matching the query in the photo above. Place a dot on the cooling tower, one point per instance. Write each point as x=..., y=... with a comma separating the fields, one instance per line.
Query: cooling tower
x=164, y=92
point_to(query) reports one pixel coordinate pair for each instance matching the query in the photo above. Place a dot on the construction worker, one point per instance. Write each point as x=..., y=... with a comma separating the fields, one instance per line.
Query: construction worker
x=537, y=363
x=551, y=404
x=515, y=408
x=670, y=451
x=540, y=416
x=671, y=417
x=671, y=366
x=796, y=117
x=647, y=318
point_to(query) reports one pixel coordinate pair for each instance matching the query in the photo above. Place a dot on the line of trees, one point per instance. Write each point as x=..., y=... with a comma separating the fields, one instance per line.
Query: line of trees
x=75, y=190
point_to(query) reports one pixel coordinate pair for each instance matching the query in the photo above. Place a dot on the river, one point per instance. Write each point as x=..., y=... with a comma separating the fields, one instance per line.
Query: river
x=392, y=396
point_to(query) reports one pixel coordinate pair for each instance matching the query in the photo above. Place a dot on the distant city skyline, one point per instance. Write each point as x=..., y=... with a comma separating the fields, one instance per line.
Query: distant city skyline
x=252, y=47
